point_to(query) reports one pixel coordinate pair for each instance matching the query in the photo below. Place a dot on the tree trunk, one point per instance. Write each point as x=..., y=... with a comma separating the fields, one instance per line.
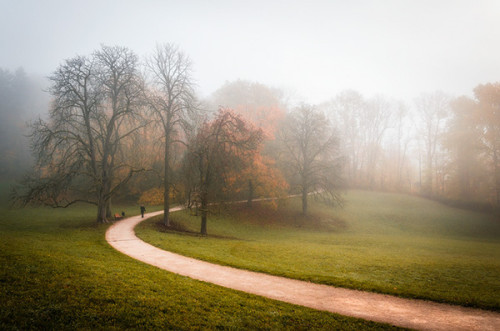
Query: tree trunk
x=166, y=207
x=102, y=203
x=108, y=209
x=429, y=173
x=304, y=201
x=101, y=211
x=204, y=212
x=496, y=176
x=203, y=230
x=166, y=194
x=250, y=193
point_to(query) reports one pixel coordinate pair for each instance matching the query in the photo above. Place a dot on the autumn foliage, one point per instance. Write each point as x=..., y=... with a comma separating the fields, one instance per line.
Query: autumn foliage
x=260, y=179
x=220, y=148
x=120, y=129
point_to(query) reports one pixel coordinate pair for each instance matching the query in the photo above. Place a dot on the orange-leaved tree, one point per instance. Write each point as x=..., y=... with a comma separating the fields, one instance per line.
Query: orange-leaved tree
x=220, y=148
x=259, y=179
x=463, y=143
x=488, y=100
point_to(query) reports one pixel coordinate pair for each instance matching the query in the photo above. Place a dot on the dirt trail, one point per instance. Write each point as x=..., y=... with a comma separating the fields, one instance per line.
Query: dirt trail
x=416, y=314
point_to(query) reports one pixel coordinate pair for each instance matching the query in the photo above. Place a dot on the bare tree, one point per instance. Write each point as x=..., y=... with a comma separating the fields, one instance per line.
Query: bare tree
x=403, y=139
x=171, y=100
x=311, y=154
x=96, y=107
x=363, y=125
x=375, y=120
x=432, y=110
x=346, y=111
x=488, y=119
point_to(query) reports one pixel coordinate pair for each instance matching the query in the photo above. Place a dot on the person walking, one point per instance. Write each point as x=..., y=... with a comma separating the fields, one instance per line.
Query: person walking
x=143, y=209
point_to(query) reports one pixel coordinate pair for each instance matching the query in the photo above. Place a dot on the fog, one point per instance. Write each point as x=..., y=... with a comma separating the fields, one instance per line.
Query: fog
x=22, y=98
x=388, y=75
x=311, y=49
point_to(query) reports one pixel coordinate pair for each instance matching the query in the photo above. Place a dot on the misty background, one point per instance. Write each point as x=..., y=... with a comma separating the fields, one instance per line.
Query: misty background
x=387, y=57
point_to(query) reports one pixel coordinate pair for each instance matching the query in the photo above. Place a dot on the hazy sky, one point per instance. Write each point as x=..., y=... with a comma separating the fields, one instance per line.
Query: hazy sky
x=312, y=48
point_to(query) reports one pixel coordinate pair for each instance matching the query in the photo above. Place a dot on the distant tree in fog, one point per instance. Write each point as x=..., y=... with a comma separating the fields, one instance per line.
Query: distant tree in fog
x=21, y=97
x=462, y=140
x=375, y=121
x=262, y=105
x=403, y=139
x=488, y=119
x=432, y=112
x=311, y=154
x=346, y=111
x=363, y=124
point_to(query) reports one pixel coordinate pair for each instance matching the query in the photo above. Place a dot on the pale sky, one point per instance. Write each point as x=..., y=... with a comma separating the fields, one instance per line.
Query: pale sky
x=313, y=48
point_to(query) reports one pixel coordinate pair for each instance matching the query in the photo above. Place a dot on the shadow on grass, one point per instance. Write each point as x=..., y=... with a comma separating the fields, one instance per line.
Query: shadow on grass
x=84, y=224
x=178, y=228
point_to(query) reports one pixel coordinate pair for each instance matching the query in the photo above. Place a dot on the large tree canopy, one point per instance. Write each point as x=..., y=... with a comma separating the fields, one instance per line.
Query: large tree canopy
x=79, y=149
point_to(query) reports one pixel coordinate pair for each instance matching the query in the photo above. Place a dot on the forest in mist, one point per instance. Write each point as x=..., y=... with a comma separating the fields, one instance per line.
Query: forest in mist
x=22, y=98
x=440, y=146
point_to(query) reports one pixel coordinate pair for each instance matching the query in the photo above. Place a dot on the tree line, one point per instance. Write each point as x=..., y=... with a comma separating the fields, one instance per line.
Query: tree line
x=121, y=127
x=440, y=146
x=20, y=98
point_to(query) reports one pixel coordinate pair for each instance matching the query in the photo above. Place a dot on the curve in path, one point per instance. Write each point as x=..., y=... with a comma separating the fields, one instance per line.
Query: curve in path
x=417, y=314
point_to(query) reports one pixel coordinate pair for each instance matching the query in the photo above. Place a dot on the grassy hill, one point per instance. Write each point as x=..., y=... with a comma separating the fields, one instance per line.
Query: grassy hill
x=57, y=272
x=388, y=243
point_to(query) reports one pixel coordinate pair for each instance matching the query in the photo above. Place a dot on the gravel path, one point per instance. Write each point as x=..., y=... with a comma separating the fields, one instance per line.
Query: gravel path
x=416, y=314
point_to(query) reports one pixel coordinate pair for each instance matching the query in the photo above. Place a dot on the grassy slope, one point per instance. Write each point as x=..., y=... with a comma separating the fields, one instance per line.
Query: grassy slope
x=57, y=272
x=386, y=243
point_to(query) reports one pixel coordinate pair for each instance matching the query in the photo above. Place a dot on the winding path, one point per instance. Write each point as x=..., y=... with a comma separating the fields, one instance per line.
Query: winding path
x=416, y=314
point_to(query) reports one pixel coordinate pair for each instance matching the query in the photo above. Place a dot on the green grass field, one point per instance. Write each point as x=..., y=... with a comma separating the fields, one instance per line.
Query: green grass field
x=388, y=243
x=57, y=272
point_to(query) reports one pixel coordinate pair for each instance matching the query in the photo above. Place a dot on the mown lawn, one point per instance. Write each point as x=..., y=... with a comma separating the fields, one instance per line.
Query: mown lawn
x=57, y=272
x=388, y=243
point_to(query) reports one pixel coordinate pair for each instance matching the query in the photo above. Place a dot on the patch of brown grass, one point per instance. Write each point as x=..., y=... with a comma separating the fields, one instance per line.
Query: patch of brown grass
x=261, y=213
